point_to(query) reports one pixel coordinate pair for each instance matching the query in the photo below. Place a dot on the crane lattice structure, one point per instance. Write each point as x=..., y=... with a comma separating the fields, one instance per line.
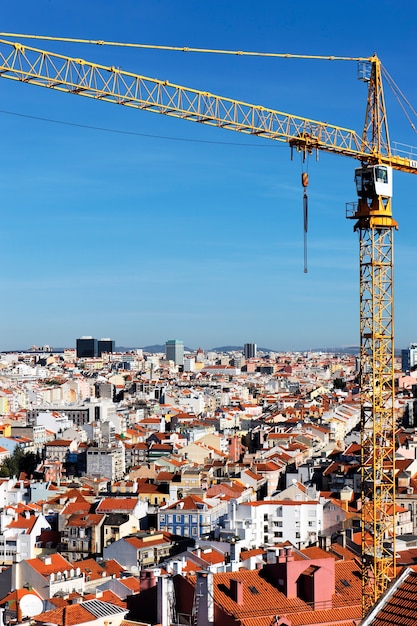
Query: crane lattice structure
x=374, y=222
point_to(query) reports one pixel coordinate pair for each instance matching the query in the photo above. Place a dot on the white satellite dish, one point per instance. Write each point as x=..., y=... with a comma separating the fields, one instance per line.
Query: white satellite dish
x=30, y=605
x=135, y=570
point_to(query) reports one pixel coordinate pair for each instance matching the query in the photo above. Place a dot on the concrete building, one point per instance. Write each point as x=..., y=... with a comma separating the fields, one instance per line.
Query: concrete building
x=106, y=461
x=249, y=350
x=174, y=351
x=409, y=358
x=269, y=522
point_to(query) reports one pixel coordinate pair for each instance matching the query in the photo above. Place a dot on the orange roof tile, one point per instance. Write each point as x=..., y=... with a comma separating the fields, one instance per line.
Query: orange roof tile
x=51, y=564
x=109, y=505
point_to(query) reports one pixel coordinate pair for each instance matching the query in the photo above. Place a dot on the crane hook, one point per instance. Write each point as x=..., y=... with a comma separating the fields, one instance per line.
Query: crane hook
x=304, y=182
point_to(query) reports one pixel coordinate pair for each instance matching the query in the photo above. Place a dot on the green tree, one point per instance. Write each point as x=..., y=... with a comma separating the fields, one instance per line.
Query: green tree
x=19, y=461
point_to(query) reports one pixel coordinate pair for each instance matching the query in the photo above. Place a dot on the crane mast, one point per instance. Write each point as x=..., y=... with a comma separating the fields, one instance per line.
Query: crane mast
x=373, y=222
x=376, y=226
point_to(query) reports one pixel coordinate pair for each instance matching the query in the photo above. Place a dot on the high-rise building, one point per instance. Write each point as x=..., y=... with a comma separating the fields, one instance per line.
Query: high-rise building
x=105, y=345
x=174, y=351
x=86, y=347
x=249, y=350
x=409, y=358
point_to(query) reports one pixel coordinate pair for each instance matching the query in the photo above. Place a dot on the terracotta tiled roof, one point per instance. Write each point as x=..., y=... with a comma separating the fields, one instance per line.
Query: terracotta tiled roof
x=113, y=568
x=24, y=523
x=84, y=520
x=212, y=556
x=59, y=443
x=69, y=615
x=247, y=554
x=110, y=505
x=262, y=600
x=50, y=565
x=131, y=583
x=316, y=553
x=189, y=503
x=76, y=508
x=91, y=568
x=107, y=596
x=75, y=614
x=398, y=607
x=342, y=553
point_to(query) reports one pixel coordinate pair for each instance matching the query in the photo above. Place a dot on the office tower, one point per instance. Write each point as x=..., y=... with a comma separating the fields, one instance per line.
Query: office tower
x=249, y=350
x=86, y=347
x=409, y=358
x=105, y=345
x=174, y=351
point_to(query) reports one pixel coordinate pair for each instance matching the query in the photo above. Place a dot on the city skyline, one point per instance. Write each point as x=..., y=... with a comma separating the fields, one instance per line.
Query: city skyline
x=143, y=227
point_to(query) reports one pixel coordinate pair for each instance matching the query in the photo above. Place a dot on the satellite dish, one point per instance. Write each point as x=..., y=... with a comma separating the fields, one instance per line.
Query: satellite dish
x=135, y=570
x=30, y=605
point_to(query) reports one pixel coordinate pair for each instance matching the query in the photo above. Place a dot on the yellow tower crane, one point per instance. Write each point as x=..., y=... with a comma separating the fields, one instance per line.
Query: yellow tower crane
x=373, y=220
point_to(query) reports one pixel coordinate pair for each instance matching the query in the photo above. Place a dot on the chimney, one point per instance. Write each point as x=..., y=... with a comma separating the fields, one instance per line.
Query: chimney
x=341, y=538
x=236, y=590
x=281, y=556
x=289, y=556
x=164, y=602
x=203, y=600
x=147, y=579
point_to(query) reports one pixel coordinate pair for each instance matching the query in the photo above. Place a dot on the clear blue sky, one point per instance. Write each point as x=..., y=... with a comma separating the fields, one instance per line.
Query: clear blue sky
x=182, y=231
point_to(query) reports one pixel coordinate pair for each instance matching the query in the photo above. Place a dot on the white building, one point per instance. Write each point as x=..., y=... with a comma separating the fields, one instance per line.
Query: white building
x=270, y=522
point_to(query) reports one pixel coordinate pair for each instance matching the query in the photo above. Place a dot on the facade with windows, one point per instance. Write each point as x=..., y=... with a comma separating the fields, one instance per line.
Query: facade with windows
x=174, y=351
x=108, y=462
x=249, y=350
x=86, y=347
x=409, y=358
x=272, y=521
x=193, y=517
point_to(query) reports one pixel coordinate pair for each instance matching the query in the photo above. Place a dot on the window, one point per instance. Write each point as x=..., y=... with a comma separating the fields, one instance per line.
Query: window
x=178, y=518
x=297, y=535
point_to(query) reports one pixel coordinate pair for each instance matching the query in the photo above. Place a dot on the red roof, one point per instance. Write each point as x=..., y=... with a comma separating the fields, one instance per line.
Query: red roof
x=111, y=505
x=51, y=564
x=262, y=600
x=398, y=606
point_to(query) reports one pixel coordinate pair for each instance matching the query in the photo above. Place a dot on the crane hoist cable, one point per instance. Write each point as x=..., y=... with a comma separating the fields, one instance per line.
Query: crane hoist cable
x=304, y=182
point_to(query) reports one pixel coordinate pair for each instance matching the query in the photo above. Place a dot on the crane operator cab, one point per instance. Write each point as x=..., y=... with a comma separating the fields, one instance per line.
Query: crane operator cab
x=374, y=180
